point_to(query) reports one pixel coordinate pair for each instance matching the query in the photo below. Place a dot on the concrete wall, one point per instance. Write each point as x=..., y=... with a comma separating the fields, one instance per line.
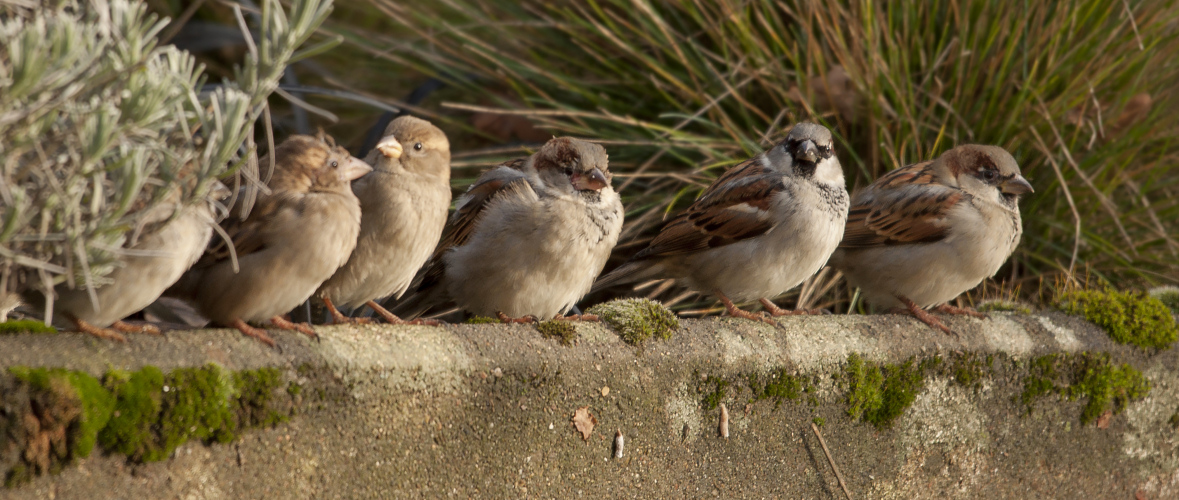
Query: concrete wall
x=483, y=411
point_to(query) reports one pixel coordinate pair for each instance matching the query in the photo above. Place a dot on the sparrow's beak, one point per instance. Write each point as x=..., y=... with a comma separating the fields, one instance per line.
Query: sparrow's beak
x=1016, y=185
x=389, y=147
x=807, y=151
x=595, y=180
x=354, y=169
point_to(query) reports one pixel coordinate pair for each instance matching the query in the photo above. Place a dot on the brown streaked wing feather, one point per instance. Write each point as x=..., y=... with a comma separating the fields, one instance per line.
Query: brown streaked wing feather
x=918, y=218
x=731, y=210
x=464, y=220
x=247, y=235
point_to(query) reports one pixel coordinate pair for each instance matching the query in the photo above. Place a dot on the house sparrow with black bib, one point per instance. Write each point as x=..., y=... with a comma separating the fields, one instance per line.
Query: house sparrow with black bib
x=528, y=238
x=760, y=229
x=293, y=240
x=403, y=205
x=153, y=262
x=923, y=234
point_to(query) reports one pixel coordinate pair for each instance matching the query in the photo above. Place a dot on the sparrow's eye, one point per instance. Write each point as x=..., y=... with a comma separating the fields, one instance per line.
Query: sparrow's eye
x=417, y=146
x=990, y=175
x=335, y=164
x=569, y=171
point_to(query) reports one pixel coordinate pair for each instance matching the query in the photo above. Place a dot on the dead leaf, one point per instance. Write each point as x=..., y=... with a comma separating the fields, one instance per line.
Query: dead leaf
x=584, y=422
x=1103, y=420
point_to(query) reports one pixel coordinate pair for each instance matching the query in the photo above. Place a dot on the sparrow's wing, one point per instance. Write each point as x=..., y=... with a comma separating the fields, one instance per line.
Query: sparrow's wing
x=734, y=208
x=277, y=212
x=504, y=181
x=907, y=205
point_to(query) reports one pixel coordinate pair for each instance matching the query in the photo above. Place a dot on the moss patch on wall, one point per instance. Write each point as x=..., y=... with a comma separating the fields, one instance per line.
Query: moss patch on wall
x=18, y=326
x=1129, y=317
x=878, y=394
x=1103, y=385
x=55, y=416
x=558, y=329
x=637, y=320
x=1168, y=295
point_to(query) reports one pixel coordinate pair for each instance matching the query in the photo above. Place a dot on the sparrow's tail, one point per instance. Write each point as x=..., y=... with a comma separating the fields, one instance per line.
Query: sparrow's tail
x=417, y=301
x=629, y=272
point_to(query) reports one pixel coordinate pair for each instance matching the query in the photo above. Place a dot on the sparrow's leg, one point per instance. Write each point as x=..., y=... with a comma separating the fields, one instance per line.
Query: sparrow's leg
x=102, y=333
x=286, y=324
x=778, y=311
x=577, y=317
x=339, y=317
x=949, y=309
x=738, y=313
x=504, y=318
x=924, y=316
x=392, y=319
x=129, y=328
x=250, y=331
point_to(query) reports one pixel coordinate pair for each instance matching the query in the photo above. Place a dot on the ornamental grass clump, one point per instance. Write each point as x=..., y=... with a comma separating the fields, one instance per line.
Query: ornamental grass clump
x=99, y=124
x=1081, y=91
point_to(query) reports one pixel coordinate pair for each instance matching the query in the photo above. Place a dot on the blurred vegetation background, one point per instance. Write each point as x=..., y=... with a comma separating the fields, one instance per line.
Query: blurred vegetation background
x=1082, y=92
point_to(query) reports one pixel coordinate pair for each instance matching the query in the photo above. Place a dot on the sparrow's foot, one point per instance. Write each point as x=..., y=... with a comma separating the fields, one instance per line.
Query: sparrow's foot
x=250, y=331
x=102, y=333
x=392, y=319
x=285, y=324
x=966, y=311
x=577, y=317
x=778, y=311
x=129, y=328
x=735, y=312
x=924, y=316
x=504, y=318
x=339, y=318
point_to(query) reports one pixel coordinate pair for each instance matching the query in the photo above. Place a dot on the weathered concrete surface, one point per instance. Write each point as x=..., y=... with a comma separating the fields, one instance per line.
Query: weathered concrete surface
x=484, y=411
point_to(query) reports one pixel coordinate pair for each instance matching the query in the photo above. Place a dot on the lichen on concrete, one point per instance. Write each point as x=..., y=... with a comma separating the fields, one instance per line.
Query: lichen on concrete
x=637, y=320
x=1135, y=318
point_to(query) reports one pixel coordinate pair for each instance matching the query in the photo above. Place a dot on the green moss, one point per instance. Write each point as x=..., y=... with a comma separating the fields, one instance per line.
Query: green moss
x=16, y=326
x=864, y=383
x=880, y=394
x=968, y=369
x=196, y=404
x=998, y=305
x=562, y=330
x=1106, y=387
x=779, y=386
x=1103, y=385
x=637, y=320
x=719, y=389
x=294, y=389
x=819, y=421
x=138, y=398
x=1168, y=295
x=74, y=394
x=256, y=406
x=1129, y=317
x=479, y=320
x=1174, y=420
x=18, y=475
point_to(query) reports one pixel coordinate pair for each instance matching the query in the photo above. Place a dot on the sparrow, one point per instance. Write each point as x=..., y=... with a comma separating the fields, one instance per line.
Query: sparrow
x=923, y=234
x=293, y=240
x=760, y=229
x=403, y=206
x=154, y=262
x=528, y=237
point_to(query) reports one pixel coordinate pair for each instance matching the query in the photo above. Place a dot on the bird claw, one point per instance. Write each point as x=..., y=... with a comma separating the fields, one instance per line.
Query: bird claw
x=256, y=333
x=102, y=333
x=923, y=316
x=776, y=311
x=281, y=322
x=960, y=311
x=577, y=317
x=129, y=328
x=504, y=318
